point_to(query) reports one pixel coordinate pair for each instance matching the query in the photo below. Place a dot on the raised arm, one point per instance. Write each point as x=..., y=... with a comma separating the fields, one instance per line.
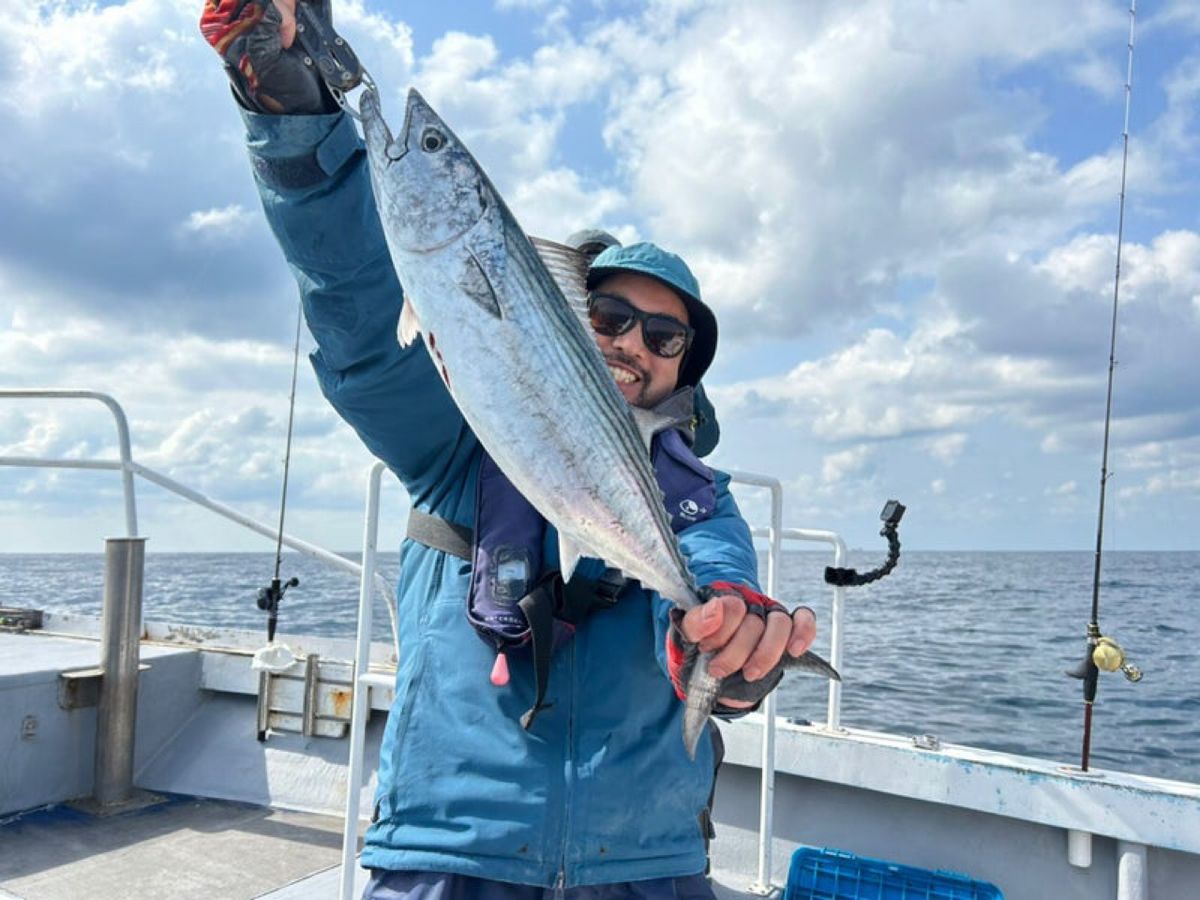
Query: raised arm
x=316, y=192
x=311, y=173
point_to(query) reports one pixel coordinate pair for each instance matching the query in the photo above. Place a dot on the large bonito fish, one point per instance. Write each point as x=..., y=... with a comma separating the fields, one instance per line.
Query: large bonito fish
x=521, y=365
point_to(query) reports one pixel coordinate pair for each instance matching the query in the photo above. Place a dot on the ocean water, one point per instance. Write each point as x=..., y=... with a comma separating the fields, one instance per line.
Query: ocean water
x=971, y=647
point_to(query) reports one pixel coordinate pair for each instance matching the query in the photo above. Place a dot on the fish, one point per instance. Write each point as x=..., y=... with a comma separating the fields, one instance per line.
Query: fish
x=522, y=366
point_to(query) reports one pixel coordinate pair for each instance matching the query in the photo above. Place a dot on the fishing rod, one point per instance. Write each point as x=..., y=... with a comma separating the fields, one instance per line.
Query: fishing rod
x=1104, y=653
x=270, y=596
x=338, y=66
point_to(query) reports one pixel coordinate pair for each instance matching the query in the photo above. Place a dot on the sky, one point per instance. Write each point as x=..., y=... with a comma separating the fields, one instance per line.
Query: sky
x=904, y=214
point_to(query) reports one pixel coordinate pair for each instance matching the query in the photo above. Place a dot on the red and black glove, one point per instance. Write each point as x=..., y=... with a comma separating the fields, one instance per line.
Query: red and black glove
x=682, y=653
x=266, y=77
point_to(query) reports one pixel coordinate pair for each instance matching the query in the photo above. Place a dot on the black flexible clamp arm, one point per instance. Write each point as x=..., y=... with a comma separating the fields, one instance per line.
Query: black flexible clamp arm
x=893, y=511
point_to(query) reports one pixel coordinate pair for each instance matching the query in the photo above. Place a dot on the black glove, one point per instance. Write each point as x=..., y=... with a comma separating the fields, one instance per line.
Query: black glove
x=682, y=654
x=266, y=78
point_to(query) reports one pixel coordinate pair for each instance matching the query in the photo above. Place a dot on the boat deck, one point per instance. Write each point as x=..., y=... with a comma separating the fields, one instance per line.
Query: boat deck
x=195, y=740
x=879, y=796
x=182, y=848
x=185, y=848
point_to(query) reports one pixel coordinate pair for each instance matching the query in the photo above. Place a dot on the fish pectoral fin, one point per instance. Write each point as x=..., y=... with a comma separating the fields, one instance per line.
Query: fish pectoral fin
x=473, y=280
x=569, y=554
x=409, y=327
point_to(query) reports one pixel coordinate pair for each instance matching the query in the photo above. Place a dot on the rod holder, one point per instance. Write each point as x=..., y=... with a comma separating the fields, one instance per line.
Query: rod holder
x=1079, y=848
x=116, y=712
x=1133, y=881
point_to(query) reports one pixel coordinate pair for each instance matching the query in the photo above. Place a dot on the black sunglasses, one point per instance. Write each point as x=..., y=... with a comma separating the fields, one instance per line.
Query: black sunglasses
x=663, y=335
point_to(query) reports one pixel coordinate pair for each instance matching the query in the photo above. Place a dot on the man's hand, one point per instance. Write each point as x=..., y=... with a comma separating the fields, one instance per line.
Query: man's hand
x=746, y=634
x=255, y=39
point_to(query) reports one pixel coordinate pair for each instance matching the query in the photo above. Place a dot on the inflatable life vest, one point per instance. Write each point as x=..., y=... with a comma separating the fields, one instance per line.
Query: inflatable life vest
x=513, y=603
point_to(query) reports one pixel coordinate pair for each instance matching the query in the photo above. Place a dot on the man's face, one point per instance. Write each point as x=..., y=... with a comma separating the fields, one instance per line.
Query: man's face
x=644, y=378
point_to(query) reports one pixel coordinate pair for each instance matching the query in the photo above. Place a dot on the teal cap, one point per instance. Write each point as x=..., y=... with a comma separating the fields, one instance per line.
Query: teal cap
x=651, y=260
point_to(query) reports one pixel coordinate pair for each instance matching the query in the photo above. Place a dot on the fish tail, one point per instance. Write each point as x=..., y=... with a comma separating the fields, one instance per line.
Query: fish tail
x=810, y=662
x=701, y=698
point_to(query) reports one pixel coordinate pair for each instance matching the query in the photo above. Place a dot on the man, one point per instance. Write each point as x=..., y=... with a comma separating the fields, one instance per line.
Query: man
x=595, y=796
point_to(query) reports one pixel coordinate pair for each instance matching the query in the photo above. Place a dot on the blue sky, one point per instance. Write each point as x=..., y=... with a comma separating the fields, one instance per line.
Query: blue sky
x=904, y=214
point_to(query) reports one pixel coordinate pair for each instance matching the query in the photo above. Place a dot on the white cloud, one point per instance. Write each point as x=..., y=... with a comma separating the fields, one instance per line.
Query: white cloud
x=798, y=128
x=1066, y=489
x=947, y=447
x=846, y=463
x=557, y=202
x=228, y=221
x=1101, y=75
x=69, y=56
x=881, y=386
x=524, y=4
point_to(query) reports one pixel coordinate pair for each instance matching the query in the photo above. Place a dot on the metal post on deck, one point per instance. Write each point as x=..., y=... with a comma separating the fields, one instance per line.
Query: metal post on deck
x=116, y=713
x=1132, y=877
x=766, y=807
x=363, y=679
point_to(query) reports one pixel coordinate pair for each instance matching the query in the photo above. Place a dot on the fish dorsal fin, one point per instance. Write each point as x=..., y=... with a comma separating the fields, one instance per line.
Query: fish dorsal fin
x=569, y=554
x=568, y=267
x=409, y=327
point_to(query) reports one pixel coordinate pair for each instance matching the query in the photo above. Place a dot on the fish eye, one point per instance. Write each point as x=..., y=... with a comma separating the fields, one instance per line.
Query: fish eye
x=432, y=140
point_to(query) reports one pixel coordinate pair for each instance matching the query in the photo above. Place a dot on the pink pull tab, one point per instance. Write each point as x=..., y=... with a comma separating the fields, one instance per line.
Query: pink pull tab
x=500, y=670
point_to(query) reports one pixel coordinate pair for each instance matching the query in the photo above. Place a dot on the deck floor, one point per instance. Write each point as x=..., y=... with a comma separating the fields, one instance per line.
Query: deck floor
x=325, y=885
x=184, y=848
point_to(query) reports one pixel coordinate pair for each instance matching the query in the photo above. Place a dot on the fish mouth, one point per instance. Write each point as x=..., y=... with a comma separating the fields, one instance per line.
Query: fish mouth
x=398, y=149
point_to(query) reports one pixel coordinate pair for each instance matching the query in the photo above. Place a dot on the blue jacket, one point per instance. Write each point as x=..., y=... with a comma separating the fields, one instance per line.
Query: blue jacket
x=600, y=790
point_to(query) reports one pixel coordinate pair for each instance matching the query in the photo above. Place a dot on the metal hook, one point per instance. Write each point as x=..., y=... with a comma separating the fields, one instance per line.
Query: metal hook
x=366, y=82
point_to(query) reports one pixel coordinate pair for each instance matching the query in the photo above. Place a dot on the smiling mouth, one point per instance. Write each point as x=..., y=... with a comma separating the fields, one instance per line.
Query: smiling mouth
x=623, y=376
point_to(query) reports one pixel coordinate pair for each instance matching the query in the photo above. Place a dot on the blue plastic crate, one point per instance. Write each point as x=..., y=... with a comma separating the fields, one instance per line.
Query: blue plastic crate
x=837, y=875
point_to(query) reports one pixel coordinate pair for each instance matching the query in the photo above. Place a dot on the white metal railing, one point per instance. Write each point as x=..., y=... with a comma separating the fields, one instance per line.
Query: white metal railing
x=128, y=468
x=126, y=462
x=775, y=534
x=364, y=679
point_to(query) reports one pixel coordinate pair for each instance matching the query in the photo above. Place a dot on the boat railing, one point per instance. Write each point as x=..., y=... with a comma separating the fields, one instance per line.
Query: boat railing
x=128, y=467
x=775, y=534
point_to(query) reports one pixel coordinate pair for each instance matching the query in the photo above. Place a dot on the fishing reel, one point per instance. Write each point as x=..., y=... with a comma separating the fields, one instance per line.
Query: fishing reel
x=893, y=511
x=1109, y=657
x=1104, y=654
x=269, y=596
